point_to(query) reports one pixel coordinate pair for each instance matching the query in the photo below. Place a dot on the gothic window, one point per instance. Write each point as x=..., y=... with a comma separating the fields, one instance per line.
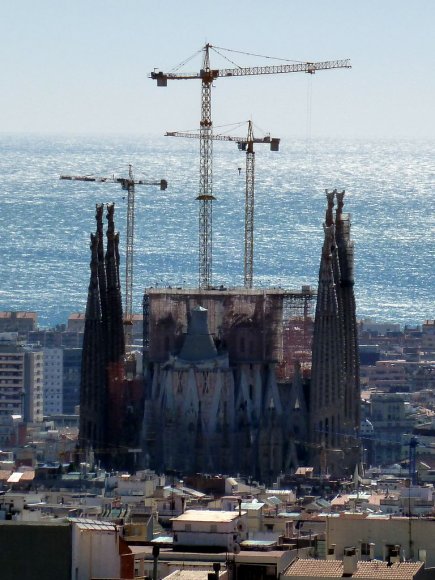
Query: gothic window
x=205, y=388
x=333, y=430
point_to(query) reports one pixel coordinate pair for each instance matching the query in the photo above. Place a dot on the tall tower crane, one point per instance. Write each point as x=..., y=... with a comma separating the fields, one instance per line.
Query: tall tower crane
x=128, y=184
x=244, y=144
x=207, y=75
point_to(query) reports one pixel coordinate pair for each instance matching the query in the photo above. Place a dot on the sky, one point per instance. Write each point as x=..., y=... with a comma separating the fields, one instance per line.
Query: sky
x=82, y=66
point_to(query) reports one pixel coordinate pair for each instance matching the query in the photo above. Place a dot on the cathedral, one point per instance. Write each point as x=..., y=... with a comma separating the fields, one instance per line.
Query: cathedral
x=235, y=381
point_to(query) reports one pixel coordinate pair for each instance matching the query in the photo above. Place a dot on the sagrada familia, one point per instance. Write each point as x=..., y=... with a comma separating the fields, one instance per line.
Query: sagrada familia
x=233, y=380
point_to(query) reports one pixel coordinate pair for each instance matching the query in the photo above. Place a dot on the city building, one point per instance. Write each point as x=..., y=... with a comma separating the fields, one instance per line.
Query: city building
x=383, y=537
x=21, y=380
x=21, y=322
x=72, y=364
x=53, y=381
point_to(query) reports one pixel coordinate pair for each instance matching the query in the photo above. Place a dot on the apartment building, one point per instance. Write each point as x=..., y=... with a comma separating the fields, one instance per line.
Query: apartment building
x=53, y=381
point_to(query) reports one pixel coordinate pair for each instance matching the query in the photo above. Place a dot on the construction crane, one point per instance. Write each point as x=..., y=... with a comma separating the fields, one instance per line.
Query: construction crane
x=244, y=144
x=207, y=75
x=128, y=184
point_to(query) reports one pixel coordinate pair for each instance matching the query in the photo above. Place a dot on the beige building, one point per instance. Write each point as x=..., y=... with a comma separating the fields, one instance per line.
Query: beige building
x=381, y=536
x=76, y=322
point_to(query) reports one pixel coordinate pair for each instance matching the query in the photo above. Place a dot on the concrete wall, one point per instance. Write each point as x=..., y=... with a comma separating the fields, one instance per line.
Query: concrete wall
x=34, y=550
x=95, y=554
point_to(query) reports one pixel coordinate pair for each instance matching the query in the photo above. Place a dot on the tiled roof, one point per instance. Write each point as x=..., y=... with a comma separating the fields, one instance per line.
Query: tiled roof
x=4, y=474
x=315, y=569
x=381, y=570
x=28, y=475
x=374, y=570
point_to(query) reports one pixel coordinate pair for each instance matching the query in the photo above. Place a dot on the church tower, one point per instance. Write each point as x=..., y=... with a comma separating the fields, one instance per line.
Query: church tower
x=93, y=369
x=103, y=344
x=335, y=391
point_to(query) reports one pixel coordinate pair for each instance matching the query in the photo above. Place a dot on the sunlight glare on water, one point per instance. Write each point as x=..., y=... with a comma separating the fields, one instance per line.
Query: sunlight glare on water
x=45, y=222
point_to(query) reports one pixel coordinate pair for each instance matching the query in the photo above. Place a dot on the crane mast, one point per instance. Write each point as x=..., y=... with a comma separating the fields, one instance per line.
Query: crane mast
x=205, y=197
x=244, y=144
x=128, y=185
x=248, y=266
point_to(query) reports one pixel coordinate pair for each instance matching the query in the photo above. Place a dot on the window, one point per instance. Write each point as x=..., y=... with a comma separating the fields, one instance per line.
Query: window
x=365, y=549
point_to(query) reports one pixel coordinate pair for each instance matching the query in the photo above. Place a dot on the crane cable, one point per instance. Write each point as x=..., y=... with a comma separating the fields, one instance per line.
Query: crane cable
x=308, y=128
x=259, y=55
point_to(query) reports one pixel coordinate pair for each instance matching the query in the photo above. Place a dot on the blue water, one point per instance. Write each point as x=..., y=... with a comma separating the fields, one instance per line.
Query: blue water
x=45, y=223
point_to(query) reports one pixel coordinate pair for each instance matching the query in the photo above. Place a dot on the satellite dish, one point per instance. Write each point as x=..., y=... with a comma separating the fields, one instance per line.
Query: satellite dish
x=236, y=548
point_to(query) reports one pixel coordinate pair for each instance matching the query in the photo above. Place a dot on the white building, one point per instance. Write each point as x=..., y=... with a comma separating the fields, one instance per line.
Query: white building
x=21, y=380
x=53, y=381
x=33, y=385
x=207, y=528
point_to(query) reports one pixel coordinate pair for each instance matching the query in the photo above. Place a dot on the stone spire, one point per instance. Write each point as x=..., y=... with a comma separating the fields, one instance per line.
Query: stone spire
x=334, y=390
x=345, y=246
x=115, y=327
x=327, y=379
x=99, y=210
x=92, y=383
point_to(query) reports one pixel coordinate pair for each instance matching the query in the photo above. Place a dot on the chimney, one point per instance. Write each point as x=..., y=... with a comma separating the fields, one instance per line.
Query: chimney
x=331, y=552
x=350, y=561
x=394, y=555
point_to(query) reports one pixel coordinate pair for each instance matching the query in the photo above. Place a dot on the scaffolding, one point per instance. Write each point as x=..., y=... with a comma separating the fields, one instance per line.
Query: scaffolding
x=253, y=325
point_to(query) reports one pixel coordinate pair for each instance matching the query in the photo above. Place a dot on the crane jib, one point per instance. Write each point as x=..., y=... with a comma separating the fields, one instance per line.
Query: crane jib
x=208, y=75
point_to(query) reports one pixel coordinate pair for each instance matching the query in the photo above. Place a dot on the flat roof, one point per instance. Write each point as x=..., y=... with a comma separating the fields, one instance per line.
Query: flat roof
x=207, y=516
x=20, y=314
x=252, y=505
x=191, y=574
x=86, y=524
x=77, y=316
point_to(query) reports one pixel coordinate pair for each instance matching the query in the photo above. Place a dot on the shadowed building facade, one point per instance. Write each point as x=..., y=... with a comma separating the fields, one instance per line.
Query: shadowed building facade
x=214, y=403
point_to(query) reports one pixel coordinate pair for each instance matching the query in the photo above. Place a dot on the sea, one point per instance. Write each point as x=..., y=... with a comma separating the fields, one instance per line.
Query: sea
x=45, y=222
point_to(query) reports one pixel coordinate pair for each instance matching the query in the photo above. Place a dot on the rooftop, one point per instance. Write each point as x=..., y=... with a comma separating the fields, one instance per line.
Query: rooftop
x=207, y=516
